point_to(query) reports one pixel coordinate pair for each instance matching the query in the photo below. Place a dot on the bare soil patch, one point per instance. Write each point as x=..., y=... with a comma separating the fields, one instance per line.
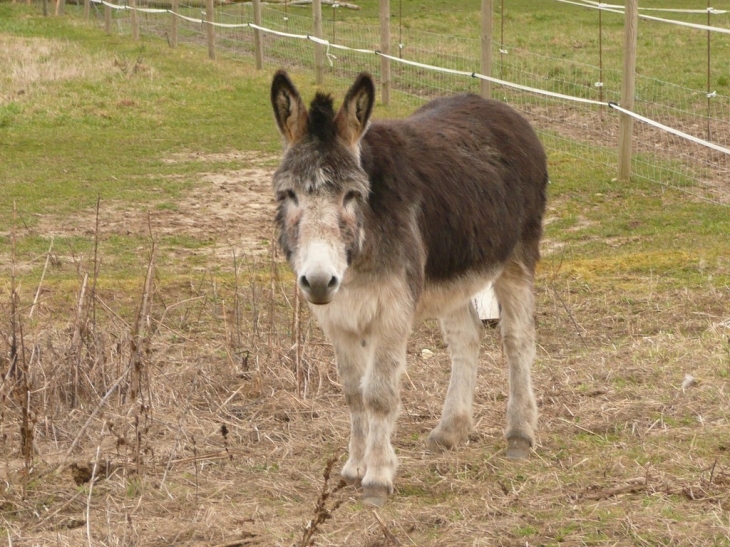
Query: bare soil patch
x=228, y=209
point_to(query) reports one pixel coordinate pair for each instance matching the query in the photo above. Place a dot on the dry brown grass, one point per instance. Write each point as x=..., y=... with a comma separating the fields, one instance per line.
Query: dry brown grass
x=29, y=63
x=217, y=440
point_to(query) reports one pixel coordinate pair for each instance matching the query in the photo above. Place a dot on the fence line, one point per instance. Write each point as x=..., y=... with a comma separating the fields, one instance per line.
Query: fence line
x=604, y=7
x=669, y=10
x=328, y=45
x=412, y=81
x=125, y=7
x=668, y=129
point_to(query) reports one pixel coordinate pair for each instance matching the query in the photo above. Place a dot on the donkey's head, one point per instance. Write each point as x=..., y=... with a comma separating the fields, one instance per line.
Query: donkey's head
x=320, y=185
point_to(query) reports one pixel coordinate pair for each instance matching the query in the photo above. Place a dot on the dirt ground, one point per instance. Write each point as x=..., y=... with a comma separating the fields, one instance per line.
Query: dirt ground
x=200, y=426
x=228, y=208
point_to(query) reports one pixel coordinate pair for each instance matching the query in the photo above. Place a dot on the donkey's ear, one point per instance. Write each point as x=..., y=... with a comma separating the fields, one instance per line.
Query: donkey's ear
x=289, y=110
x=352, y=119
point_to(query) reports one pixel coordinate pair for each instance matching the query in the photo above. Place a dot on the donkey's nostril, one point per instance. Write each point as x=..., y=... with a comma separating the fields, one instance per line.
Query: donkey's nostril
x=319, y=287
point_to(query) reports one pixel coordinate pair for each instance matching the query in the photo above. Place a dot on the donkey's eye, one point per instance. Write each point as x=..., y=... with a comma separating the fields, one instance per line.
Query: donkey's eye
x=286, y=194
x=349, y=196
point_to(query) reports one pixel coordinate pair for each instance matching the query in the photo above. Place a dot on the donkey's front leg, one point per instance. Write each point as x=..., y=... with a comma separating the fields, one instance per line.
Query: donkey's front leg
x=381, y=395
x=352, y=355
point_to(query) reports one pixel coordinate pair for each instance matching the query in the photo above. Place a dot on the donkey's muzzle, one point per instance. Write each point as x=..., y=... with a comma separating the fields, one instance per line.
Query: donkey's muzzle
x=319, y=288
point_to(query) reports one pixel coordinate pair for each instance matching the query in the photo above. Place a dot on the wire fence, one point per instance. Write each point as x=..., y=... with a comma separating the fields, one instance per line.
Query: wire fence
x=585, y=131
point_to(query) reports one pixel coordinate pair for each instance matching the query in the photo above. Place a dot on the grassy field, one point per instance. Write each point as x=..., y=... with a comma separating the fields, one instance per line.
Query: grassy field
x=136, y=230
x=532, y=24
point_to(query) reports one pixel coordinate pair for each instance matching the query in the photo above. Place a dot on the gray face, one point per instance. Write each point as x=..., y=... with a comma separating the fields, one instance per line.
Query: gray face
x=320, y=186
x=320, y=216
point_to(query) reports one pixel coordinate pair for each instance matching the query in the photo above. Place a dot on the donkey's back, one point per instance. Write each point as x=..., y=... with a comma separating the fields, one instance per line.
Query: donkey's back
x=475, y=172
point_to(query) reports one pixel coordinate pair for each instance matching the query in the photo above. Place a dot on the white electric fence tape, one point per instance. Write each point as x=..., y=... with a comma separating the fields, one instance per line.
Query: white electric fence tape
x=648, y=17
x=668, y=10
x=144, y=10
x=670, y=129
x=493, y=80
x=112, y=6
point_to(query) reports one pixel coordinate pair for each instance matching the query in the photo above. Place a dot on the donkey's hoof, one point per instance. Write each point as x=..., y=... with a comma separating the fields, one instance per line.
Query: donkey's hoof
x=446, y=438
x=518, y=448
x=376, y=494
x=439, y=441
x=351, y=473
x=351, y=481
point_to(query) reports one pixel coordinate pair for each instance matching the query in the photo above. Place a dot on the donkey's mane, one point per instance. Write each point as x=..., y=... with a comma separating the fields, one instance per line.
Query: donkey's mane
x=321, y=117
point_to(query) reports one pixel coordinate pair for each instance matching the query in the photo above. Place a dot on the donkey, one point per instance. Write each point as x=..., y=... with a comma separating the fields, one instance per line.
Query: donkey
x=390, y=222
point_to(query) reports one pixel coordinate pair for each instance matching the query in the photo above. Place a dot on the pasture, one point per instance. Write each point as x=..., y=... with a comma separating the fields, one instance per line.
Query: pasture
x=154, y=332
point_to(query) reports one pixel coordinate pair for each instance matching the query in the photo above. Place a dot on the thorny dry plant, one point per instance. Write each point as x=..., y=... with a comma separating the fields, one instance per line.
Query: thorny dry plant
x=321, y=513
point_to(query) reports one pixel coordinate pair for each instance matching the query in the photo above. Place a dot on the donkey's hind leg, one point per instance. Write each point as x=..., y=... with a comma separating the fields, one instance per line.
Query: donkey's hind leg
x=515, y=294
x=462, y=333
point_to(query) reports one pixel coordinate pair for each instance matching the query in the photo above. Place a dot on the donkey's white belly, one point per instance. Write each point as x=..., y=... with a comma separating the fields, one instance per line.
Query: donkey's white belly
x=440, y=299
x=360, y=302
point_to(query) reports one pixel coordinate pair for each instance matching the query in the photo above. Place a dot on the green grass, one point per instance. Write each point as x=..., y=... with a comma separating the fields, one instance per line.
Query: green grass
x=532, y=24
x=65, y=142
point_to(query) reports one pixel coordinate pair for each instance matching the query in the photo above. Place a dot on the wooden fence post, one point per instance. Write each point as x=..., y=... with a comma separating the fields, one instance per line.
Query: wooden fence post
x=173, y=23
x=318, y=51
x=60, y=5
x=385, y=48
x=107, y=19
x=487, y=11
x=709, y=73
x=210, y=18
x=87, y=9
x=45, y=7
x=631, y=24
x=257, y=42
x=134, y=19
